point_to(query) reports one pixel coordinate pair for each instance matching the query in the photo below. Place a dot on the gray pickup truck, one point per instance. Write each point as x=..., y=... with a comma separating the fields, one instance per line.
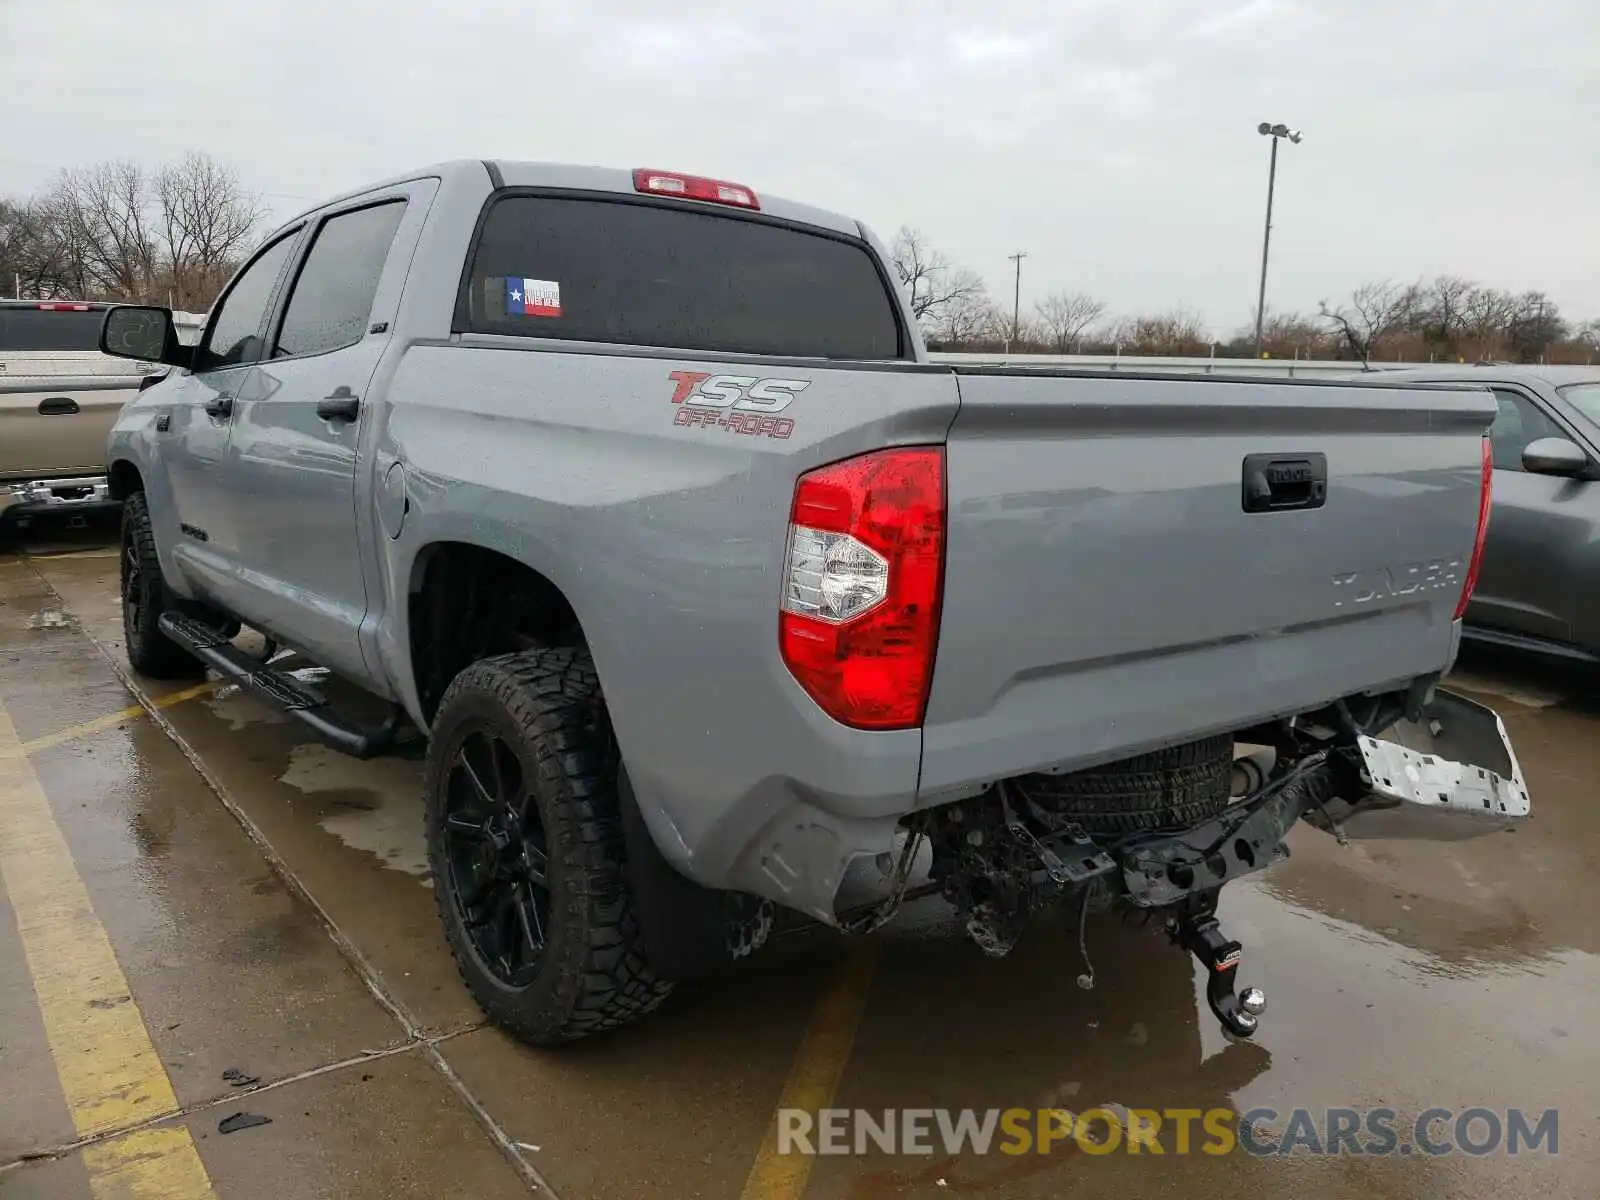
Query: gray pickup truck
x=636, y=498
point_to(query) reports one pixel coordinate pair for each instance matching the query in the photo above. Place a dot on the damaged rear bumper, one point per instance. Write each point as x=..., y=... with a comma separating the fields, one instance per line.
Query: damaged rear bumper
x=1450, y=775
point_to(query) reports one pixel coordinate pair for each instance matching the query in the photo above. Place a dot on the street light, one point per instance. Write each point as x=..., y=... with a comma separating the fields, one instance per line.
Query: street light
x=1267, y=129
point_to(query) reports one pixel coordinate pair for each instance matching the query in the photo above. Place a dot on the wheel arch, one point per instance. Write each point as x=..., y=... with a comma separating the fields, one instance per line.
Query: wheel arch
x=123, y=479
x=466, y=601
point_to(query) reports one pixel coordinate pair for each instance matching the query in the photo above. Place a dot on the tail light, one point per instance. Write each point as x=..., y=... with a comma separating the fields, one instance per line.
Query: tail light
x=693, y=187
x=1485, y=502
x=859, y=619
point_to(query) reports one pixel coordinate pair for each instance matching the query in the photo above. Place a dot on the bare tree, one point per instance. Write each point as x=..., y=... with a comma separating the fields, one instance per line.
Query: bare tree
x=104, y=216
x=1177, y=333
x=1486, y=315
x=1373, y=312
x=966, y=320
x=32, y=255
x=1441, y=316
x=1535, y=326
x=1288, y=335
x=1063, y=317
x=932, y=281
x=207, y=221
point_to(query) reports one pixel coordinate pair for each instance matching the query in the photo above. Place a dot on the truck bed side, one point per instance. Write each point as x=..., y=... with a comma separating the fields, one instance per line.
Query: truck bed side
x=668, y=538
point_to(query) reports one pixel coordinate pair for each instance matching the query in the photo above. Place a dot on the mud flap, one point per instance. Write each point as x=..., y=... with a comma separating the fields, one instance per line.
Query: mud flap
x=686, y=931
x=1450, y=775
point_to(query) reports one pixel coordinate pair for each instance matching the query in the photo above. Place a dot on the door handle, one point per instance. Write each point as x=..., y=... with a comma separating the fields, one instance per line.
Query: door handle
x=1284, y=482
x=219, y=406
x=58, y=406
x=341, y=405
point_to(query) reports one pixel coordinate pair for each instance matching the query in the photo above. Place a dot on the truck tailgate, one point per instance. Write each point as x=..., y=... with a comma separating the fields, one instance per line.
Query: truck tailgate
x=1106, y=591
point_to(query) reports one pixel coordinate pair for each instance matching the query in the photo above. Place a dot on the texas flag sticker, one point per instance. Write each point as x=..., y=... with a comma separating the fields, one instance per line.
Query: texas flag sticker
x=533, y=298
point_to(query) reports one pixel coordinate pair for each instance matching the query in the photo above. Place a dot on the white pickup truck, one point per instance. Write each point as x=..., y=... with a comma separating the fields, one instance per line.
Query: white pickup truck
x=59, y=396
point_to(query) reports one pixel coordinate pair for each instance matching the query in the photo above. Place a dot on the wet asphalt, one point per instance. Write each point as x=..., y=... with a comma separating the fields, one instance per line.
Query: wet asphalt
x=268, y=904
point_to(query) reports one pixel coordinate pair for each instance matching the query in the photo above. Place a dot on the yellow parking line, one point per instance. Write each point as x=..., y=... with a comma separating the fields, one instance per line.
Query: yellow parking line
x=111, y=1076
x=814, y=1078
x=111, y=720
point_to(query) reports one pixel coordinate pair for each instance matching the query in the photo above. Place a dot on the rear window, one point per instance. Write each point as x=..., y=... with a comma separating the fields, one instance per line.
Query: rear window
x=42, y=329
x=648, y=275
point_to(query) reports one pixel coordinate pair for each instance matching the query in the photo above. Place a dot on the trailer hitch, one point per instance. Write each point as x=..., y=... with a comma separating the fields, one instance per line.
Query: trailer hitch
x=1199, y=934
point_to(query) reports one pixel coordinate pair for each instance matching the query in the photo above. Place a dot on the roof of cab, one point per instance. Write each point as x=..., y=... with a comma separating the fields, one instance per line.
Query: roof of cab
x=589, y=179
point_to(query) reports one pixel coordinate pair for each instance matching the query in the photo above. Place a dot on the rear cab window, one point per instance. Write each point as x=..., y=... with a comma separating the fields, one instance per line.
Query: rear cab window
x=644, y=273
x=41, y=329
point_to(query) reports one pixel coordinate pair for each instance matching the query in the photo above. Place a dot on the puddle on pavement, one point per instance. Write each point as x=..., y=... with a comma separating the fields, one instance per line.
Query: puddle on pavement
x=231, y=703
x=50, y=618
x=373, y=806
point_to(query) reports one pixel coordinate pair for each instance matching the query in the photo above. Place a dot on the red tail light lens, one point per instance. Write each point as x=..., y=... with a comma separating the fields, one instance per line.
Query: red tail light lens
x=859, y=620
x=1485, y=502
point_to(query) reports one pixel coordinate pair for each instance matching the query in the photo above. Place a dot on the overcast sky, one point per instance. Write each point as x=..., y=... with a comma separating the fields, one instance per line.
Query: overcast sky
x=1115, y=142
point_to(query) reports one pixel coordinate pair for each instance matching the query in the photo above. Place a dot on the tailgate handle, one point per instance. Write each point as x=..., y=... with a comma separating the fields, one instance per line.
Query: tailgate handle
x=1285, y=482
x=58, y=406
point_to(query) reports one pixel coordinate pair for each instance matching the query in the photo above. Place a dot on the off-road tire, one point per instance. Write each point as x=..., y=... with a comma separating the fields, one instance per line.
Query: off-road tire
x=547, y=706
x=1170, y=789
x=150, y=652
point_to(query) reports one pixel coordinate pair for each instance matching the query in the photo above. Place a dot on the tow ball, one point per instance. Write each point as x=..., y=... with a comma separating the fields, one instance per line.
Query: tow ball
x=1203, y=937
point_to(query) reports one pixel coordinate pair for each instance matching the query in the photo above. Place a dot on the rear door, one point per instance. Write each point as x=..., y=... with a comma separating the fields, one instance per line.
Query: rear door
x=1540, y=543
x=293, y=450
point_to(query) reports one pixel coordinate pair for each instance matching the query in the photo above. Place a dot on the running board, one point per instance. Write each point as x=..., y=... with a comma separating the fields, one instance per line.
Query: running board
x=302, y=702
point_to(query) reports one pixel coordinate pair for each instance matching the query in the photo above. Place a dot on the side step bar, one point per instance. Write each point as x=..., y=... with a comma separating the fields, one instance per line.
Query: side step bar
x=305, y=704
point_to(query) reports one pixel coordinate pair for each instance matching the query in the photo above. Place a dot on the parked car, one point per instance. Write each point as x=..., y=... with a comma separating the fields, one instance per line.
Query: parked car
x=1539, y=585
x=636, y=495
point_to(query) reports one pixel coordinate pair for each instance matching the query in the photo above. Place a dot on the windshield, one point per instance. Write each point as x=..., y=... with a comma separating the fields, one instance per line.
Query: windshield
x=1585, y=397
x=44, y=329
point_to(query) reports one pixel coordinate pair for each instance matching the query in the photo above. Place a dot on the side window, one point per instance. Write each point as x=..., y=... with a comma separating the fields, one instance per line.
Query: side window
x=332, y=298
x=1518, y=422
x=235, y=336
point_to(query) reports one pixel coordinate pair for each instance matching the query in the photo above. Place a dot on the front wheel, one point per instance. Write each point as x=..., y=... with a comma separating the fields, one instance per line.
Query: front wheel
x=145, y=597
x=526, y=848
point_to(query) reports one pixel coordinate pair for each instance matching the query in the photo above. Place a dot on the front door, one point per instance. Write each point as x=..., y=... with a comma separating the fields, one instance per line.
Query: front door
x=293, y=450
x=1540, y=530
x=190, y=496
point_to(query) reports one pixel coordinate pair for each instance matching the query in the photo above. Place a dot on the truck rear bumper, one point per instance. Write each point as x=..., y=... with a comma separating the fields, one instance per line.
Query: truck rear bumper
x=1397, y=790
x=22, y=501
x=1454, y=774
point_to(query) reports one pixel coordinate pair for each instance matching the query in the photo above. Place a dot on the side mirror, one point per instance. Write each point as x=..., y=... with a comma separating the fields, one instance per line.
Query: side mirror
x=1554, y=456
x=142, y=332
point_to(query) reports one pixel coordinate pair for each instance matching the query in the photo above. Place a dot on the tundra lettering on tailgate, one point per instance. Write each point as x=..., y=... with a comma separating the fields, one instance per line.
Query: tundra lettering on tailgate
x=1406, y=579
x=738, y=403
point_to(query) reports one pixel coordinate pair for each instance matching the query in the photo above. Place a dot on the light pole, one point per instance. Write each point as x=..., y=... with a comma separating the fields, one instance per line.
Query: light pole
x=1266, y=129
x=1016, y=297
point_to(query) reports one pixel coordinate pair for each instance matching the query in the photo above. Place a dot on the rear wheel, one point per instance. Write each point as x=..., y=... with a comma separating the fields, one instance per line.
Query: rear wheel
x=145, y=596
x=526, y=848
x=1169, y=789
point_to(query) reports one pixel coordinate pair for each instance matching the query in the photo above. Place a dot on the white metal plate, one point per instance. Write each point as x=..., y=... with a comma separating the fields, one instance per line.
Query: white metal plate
x=1429, y=781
